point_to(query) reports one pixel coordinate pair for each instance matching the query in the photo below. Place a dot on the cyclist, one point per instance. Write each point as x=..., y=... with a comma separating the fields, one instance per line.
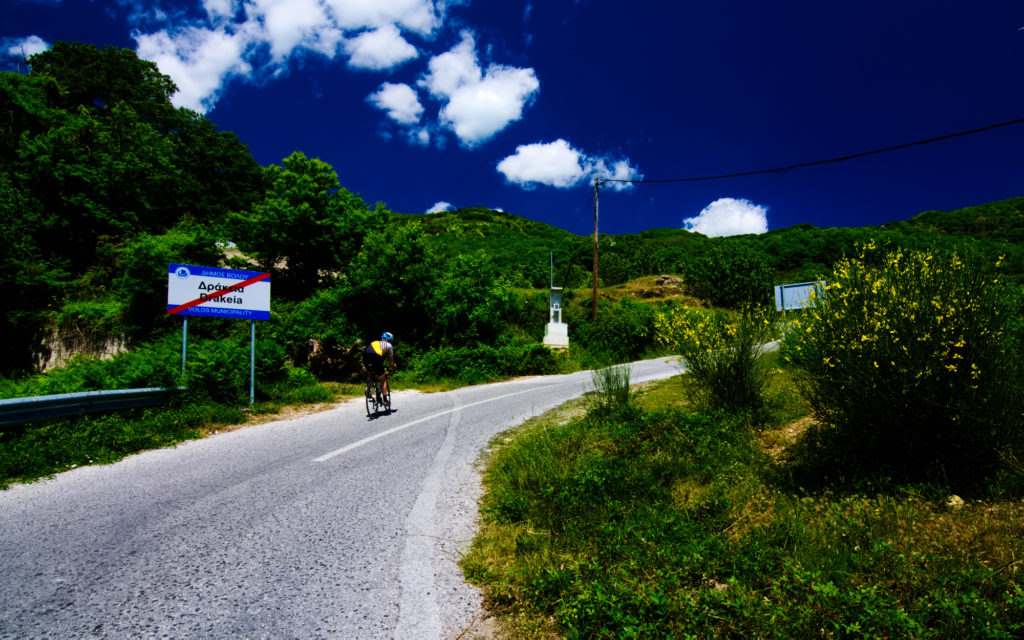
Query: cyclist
x=376, y=355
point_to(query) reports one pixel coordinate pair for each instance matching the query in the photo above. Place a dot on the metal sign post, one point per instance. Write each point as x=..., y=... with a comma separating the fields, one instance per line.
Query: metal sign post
x=184, y=342
x=219, y=293
x=252, y=361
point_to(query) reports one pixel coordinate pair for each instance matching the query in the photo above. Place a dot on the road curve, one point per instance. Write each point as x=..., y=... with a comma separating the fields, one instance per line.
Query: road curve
x=327, y=525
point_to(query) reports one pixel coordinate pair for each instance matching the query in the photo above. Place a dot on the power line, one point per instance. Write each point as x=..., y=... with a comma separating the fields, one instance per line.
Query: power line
x=818, y=163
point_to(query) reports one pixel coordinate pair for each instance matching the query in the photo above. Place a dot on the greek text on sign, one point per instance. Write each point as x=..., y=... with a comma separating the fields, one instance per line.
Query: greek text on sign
x=213, y=292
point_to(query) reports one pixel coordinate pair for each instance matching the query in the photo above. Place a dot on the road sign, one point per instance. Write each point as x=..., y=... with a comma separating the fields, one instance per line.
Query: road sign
x=797, y=295
x=218, y=293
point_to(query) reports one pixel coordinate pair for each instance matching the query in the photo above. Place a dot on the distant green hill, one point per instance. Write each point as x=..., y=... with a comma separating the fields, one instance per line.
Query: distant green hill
x=1000, y=220
x=520, y=246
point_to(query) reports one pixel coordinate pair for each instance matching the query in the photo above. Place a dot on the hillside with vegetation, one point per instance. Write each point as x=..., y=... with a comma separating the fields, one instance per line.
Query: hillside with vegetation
x=103, y=183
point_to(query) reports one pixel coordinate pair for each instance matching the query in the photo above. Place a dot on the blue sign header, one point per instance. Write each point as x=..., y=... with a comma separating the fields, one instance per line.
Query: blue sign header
x=186, y=270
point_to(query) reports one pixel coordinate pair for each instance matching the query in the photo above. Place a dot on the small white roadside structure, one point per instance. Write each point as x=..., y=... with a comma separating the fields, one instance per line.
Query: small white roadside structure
x=556, y=333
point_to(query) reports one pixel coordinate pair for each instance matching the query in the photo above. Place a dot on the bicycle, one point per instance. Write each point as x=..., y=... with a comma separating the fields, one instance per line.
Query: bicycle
x=375, y=397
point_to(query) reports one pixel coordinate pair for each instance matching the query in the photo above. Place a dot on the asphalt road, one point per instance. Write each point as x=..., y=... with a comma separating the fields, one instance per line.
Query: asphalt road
x=327, y=525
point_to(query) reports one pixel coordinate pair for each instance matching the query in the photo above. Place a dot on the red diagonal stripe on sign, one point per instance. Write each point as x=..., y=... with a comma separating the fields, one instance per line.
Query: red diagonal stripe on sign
x=223, y=292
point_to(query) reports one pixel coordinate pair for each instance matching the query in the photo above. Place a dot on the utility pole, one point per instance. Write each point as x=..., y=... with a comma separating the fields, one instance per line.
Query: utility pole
x=593, y=311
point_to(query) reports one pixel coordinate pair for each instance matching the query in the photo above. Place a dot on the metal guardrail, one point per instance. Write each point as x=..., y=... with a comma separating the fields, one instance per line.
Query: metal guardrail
x=15, y=411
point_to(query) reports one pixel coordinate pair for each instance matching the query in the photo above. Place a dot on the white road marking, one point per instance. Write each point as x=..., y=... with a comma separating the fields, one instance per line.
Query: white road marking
x=419, y=615
x=382, y=434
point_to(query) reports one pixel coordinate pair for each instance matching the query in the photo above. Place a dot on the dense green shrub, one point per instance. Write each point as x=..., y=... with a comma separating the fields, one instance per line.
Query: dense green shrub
x=216, y=369
x=141, y=268
x=155, y=365
x=908, y=355
x=723, y=358
x=483, y=362
x=623, y=330
x=471, y=301
x=219, y=369
x=730, y=274
x=317, y=332
x=93, y=318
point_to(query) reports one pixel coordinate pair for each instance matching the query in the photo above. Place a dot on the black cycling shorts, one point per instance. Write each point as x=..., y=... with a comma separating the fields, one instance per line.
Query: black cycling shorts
x=374, y=363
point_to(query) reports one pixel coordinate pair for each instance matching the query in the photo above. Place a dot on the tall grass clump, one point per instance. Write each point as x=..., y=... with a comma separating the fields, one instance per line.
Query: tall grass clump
x=724, y=359
x=611, y=389
x=908, y=356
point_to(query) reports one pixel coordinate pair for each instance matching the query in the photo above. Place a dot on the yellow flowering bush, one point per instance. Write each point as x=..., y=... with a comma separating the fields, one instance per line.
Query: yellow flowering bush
x=907, y=353
x=722, y=357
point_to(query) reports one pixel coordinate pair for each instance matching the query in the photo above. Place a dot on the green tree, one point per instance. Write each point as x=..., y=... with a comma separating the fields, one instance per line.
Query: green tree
x=101, y=78
x=305, y=228
x=93, y=154
x=471, y=300
x=390, y=284
x=24, y=109
x=216, y=172
x=31, y=284
x=97, y=178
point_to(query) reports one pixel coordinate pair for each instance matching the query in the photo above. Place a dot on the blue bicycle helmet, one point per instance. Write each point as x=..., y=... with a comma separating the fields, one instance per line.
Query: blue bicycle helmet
x=386, y=336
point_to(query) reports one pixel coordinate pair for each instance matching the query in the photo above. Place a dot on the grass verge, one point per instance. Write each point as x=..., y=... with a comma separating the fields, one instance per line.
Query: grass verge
x=660, y=521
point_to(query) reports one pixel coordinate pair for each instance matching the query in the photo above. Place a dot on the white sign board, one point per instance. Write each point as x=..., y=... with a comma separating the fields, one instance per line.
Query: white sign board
x=798, y=295
x=219, y=293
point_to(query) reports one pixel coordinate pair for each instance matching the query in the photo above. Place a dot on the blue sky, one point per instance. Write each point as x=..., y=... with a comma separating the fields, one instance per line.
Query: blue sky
x=517, y=105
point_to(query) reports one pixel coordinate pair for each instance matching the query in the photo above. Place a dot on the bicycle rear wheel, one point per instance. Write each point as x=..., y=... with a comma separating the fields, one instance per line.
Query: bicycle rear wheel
x=371, y=400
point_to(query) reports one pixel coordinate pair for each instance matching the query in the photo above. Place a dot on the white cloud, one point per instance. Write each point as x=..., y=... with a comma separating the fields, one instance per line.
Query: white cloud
x=257, y=38
x=619, y=170
x=477, y=111
x=253, y=37
x=24, y=47
x=555, y=164
x=219, y=9
x=729, y=217
x=479, y=104
x=420, y=16
x=558, y=164
x=453, y=69
x=290, y=24
x=379, y=49
x=400, y=103
x=198, y=60
x=440, y=207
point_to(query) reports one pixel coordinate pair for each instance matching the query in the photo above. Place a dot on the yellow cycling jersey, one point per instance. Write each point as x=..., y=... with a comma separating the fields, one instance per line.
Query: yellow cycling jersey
x=380, y=347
